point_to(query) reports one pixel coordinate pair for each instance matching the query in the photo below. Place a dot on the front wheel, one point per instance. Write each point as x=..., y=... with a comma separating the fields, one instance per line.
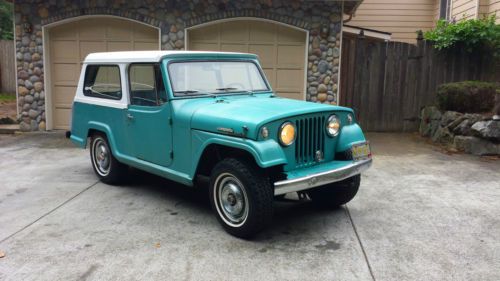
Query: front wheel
x=335, y=194
x=241, y=196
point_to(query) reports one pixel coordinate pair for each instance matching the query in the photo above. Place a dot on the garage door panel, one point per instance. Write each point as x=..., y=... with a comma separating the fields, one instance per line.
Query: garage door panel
x=87, y=47
x=119, y=30
x=119, y=46
x=62, y=117
x=63, y=51
x=202, y=46
x=146, y=33
x=270, y=74
x=63, y=95
x=286, y=34
x=234, y=48
x=291, y=56
x=289, y=79
x=91, y=29
x=144, y=46
x=265, y=53
x=236, y=31
x=262, y=31
x=206, y=33
x=296, y=96
x=65, y=73
x=65, y=32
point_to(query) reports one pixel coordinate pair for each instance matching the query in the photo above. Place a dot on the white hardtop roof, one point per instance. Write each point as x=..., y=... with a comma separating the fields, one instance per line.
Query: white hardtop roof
x=144, y=56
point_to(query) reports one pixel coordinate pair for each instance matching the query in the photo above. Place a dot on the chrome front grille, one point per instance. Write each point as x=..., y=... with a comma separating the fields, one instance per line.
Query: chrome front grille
x=310, y=139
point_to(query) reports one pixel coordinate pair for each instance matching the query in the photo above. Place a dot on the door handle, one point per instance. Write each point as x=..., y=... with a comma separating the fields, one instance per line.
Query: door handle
x=130, y=116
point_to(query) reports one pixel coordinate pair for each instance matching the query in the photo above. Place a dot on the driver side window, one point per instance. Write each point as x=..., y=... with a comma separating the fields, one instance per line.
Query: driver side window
x=146, y=85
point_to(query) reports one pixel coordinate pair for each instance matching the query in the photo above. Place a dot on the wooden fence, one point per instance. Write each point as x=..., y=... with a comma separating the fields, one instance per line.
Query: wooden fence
x=7, y=67
x=387, y=83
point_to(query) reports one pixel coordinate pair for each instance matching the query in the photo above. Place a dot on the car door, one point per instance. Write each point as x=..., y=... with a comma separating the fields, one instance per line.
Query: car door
x=148, y=115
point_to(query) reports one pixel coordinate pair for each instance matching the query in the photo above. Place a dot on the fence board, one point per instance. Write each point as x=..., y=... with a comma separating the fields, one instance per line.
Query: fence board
x=387, y=83
x=7, y=67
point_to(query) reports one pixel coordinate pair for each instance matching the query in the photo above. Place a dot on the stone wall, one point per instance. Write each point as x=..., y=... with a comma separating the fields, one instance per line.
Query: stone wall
x=471, y=133
x=321, y=19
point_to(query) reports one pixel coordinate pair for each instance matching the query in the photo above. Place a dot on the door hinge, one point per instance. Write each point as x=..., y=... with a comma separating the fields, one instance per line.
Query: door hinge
x=170, y=121
x=171, y=154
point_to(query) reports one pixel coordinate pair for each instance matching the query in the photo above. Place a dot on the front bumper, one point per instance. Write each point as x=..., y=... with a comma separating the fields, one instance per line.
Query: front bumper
x=322, y=178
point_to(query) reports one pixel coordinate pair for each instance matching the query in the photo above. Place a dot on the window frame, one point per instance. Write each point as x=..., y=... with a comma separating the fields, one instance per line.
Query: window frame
x=158, y=75
x=91, y=95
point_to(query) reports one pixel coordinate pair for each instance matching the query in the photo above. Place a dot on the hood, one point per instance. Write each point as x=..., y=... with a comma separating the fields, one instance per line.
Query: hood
x=236, y=112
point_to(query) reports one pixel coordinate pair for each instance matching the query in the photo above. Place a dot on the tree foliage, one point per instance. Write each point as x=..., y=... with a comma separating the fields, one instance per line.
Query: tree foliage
x=471, y=35
x=6, y=26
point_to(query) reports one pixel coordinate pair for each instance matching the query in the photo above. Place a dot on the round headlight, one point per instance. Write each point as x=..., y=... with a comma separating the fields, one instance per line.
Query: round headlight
x=287, y=134
x=333, y=126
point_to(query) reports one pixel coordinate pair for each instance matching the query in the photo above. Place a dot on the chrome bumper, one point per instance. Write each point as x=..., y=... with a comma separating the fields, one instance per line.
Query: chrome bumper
x=319, y=179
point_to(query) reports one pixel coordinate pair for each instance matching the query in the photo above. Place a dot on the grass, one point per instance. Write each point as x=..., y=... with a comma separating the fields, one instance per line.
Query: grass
x=4, y=97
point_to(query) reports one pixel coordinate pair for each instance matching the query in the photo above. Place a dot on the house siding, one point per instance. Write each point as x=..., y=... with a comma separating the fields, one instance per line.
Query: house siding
x=322, y=21
x=401, y=18
x=464, y=9
x=493, y=8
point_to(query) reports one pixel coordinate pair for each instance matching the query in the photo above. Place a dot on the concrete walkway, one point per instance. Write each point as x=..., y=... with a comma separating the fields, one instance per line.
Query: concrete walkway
x=420, y=215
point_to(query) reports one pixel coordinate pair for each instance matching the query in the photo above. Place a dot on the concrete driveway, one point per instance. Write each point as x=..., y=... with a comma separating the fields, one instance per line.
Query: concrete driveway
x=420, y=215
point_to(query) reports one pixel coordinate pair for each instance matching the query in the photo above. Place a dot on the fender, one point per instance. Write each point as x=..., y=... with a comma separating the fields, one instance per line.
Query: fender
x=348, y=136
x=81, y=141
x=266, y=153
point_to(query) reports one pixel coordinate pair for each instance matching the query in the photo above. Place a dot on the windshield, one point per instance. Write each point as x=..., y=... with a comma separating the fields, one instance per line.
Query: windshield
x=207, y=77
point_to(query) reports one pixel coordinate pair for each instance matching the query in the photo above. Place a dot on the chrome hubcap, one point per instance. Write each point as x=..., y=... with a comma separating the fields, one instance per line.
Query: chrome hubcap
x=101, y=157
x=232, y=202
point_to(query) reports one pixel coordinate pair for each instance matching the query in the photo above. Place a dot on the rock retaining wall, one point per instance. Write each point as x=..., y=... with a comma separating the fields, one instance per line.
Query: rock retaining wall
x=471, y=133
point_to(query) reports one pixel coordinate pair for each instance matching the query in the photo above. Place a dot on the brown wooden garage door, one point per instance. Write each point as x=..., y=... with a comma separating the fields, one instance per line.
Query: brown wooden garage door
x=281, y=49
x=71, y=42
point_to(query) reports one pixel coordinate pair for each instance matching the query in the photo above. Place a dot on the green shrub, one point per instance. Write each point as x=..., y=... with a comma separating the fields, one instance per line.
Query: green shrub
x=467, y=96
x=474, y=35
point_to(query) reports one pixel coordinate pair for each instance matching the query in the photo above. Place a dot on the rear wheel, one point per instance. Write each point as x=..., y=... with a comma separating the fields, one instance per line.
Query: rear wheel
x=105, y=165
x=241, y=196
x=335, y=194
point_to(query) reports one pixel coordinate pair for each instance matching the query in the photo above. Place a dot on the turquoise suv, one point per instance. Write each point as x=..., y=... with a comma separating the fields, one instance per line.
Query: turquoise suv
x=188, y=115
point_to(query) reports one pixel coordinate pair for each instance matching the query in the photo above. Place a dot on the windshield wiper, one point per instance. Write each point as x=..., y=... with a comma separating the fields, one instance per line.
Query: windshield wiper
x=193, y=93
x=186, y=92
x=226, y=89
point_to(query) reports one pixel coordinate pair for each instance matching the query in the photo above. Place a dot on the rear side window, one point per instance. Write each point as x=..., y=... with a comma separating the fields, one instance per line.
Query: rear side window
x=103, y=81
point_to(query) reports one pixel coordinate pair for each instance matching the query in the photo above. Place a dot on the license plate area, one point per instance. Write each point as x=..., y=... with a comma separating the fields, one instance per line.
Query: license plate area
x=361, y=151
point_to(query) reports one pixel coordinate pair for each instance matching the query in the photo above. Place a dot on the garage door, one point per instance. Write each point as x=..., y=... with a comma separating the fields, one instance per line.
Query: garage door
x=281, y=49
x=71, y=42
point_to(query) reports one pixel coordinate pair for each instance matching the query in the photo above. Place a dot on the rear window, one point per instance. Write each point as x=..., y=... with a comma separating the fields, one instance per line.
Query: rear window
x=103, y=81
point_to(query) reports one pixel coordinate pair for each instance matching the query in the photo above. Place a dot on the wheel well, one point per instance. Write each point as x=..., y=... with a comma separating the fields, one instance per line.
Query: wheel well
x=92, y=132
x=215, y=153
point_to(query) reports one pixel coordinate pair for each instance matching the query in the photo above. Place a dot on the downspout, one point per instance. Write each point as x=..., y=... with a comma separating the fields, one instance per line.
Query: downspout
x=349, y=19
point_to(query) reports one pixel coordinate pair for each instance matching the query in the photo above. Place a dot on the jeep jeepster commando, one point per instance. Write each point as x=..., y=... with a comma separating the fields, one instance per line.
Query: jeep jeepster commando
x=184, y=115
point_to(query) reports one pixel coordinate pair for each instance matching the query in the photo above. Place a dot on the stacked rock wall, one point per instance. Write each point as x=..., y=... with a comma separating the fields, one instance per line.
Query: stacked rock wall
x=471, y=133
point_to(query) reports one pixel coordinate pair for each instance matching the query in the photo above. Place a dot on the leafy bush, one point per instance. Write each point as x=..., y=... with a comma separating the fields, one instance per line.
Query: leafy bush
x=467, y=96
x=6, y=20
x=471, y=35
